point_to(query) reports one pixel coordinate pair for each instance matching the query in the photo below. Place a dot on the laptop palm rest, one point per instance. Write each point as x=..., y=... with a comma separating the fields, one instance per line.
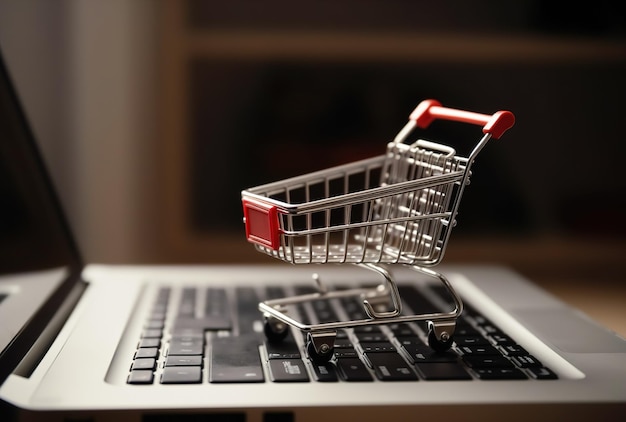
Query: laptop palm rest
x=570, y=331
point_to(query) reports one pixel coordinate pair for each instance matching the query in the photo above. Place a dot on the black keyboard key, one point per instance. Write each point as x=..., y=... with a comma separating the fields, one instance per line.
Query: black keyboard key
x=487, y=361
x=490, y=329
x=181, y=375
x=418, y=303
x=149, y=342
x=304, y=290
x=342, y=334
x=216, y=303
x=248, y=314
x=235, y=359
x=303, y=314
x=144, y=363
x=348, y=352
x=141, y=377
x=207, y=323
x=188, y=338
x=391, y=367
x=513, y=350
x=324, y=311
x=343, y=343
x=443, y=371
x=186, y=347
x=500, y=374
x=381, y=347
x=501, y=339
x=480, y=320
x=274, y=292
x=163, y=297
x=286, y=349
x=154, y=324
x=401, y=330
x=479, y=350
x=412, y=340
x=542, y=374
x=148, y=352
x=173, y=360
x=465, y=329
x=158, y=314
x=215, y=316
x=183, y=332
x=352, y=369
x=526, y=361
x=354, y=309
x=187, y=306
x=288, y=370
x=421, y=353
x=375, y=337
x=470, y=340
x=152, y=333
x=325, y=373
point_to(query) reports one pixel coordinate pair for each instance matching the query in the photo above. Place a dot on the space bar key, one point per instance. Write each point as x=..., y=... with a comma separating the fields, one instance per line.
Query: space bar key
x=235, y=359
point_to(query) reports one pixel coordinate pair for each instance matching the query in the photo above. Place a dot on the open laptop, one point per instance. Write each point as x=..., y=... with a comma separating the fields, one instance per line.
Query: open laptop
x=94, y=342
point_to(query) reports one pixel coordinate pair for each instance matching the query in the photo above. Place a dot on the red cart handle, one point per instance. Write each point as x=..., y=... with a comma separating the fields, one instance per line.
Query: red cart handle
x=495, y=124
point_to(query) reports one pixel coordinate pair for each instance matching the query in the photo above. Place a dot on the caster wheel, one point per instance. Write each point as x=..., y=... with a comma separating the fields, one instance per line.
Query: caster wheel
x=275, y=331
x=438, y=345
x=319, y=358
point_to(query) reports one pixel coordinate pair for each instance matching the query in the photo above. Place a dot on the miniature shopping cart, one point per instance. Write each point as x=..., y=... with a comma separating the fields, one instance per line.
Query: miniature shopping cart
x=396, y=208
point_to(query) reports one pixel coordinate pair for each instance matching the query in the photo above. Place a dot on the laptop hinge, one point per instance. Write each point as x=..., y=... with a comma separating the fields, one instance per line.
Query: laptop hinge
x=38, y=350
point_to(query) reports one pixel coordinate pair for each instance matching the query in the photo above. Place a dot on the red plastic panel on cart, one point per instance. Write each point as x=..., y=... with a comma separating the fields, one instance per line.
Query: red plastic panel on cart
x=261, y=223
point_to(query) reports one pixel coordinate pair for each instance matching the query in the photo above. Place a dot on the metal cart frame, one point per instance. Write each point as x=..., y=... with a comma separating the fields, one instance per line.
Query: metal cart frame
x=396, y=208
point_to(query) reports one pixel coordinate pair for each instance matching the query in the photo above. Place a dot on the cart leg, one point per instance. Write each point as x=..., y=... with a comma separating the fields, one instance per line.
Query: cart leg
x=321, y=346
x=441, y=330
x=389, y=288
x=321, y=287
x=456, y=299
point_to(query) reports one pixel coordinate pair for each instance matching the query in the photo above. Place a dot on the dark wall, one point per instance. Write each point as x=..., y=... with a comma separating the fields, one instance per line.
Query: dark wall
x=558, y=169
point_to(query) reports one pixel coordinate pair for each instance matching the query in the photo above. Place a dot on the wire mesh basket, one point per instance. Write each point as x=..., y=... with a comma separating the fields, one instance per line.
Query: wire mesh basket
x=396, y=208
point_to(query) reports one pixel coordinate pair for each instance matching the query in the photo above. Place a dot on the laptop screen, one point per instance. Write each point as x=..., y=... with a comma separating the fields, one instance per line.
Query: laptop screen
x=33, y=233
x=39, y=261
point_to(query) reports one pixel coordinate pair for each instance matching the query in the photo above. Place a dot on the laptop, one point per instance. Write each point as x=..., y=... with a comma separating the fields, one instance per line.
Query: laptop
x=154, y=343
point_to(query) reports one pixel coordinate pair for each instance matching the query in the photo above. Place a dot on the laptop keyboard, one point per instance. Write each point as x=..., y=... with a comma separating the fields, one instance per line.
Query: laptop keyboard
x=213, y=345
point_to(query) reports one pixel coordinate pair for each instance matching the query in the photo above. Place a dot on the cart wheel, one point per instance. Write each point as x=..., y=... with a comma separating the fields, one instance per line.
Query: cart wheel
x=438, y=345
x=275, y=331
x=319, y=358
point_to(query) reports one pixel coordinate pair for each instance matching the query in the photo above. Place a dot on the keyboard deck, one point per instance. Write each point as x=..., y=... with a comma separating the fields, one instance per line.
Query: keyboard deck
x=201, y=337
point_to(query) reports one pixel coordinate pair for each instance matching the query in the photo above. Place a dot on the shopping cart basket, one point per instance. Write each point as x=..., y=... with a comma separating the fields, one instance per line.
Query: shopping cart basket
x=396, y=208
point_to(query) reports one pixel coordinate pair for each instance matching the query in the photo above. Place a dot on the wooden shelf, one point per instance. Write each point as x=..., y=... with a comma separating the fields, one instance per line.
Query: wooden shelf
x=397, y=46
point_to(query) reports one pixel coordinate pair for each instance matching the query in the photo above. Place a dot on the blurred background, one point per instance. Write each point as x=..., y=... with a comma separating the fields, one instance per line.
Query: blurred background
x=154, y=115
